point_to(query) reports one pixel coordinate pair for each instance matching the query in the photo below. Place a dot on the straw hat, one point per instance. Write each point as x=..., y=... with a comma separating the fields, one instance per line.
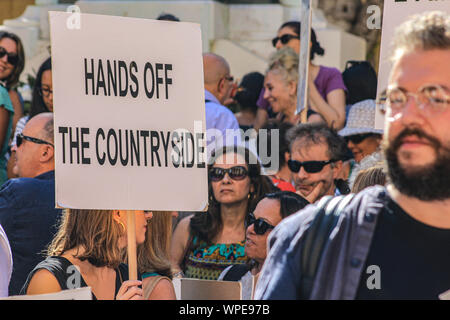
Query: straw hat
x=361, y=119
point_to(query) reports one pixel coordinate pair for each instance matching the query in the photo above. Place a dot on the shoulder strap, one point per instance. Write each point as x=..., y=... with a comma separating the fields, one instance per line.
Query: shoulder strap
x=325, y=220
x=236, y=272
x=151, y=284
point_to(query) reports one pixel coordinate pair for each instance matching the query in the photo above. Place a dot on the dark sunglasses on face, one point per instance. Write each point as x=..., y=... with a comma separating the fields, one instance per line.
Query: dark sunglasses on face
x=12, y=57
x=260, y=226
x=309, y=166
x=20, y=137
x=235, y=173
x=285, y=38
x=357, y=138
x=45, y=92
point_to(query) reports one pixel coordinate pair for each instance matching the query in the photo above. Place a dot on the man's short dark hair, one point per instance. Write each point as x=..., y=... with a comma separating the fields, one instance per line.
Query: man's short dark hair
x=317, y=133
x=47, y=131
x=167, y=17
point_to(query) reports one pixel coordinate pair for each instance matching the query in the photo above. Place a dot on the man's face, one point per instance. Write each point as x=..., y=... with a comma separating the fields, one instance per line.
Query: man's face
x=28, y=153
x=417, y=143
x=305, y=182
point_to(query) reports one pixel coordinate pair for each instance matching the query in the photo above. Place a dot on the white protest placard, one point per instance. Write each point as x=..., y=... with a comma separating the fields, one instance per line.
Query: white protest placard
x=129, y=113
x=395, y=12
x=84, y=293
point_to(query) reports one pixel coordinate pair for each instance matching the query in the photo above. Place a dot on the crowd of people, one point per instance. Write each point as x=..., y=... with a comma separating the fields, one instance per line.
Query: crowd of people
x=344, y=196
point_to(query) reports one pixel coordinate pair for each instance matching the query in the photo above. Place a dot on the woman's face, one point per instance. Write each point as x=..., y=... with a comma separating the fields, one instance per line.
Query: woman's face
x=256, y=245
x=229, y=190
x=366, y=147
x=141, y=218
x=278, y=92
x=7, y=68
x=47, y=89
x=292, y=43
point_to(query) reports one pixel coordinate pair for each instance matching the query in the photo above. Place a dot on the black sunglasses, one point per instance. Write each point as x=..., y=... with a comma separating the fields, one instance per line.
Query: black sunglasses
x=260, y=226
x=12, y=57
x=357, y=138
x=285, y=38
x=236, y=173
x=20, y=137
x=310, y=166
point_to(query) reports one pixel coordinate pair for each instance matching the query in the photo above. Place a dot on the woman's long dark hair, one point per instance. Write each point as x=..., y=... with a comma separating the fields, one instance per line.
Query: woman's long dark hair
x=206, y=226
x=315, y=45
x=13, y=78
x=37, y=102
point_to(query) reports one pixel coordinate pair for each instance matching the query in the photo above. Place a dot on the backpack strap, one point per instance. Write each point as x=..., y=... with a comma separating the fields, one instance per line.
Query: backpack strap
x=236, y=272
x=327, y=216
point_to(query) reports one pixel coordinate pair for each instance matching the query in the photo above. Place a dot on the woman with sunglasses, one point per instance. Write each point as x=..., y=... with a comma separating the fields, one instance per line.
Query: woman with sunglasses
x=326, y=87
x=268, y=213
x=362, y=138
x=41, y=101
x=12, y=61
x=204, y=244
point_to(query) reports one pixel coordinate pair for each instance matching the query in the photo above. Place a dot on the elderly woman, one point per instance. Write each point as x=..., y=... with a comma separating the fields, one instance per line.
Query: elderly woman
x=269, y=212
x=363, y=139
x=326, y=86
x=204, y=244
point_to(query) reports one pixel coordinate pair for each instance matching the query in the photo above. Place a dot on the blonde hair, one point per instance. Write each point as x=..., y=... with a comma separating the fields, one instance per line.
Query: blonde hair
x=426, y=31
x=95, y=231
x=369, y=177
x=285, y=63
x=153, y=254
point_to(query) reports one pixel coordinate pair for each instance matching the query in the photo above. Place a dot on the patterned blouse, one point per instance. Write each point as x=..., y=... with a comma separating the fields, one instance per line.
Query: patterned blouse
x=208, y=261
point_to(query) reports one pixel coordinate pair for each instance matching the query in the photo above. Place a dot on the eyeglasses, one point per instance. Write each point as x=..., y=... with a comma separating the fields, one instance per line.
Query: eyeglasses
x=229, y=78
x=12, y=57
x=260, y=226
x=285, y=38
x=20, y=137
x=357, y=138
x=310, y=166
x=236, y=173
x=431, y=98
x=45, y=92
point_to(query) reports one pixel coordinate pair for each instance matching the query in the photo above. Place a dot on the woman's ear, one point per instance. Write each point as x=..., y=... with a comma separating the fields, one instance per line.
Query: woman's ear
x=292, y=86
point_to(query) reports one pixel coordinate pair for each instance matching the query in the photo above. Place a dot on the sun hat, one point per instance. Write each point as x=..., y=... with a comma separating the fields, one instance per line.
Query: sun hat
x=361, y=119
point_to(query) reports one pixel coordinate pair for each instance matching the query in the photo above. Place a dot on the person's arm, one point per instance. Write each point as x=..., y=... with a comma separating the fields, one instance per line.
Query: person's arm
x=4, y=122
x=332, y=110
x=43, y=281
x=179, y=241
x=261, y=118
x=163, y=291
x=17, y=105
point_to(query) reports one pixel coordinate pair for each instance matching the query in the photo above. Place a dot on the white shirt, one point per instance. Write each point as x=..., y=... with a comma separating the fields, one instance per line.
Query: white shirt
x=5, y=263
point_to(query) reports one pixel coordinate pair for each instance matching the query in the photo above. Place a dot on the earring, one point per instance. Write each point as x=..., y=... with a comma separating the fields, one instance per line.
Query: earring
x=123, y=226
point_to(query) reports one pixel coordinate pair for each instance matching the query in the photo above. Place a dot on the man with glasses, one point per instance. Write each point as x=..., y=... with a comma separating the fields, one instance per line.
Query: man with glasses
x=316, y=154
x=393, y=242
x=219, y=85
x=27, y=204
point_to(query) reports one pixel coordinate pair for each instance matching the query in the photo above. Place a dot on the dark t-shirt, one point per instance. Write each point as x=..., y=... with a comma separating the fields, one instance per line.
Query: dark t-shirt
x=66, y=274
x=412, y=259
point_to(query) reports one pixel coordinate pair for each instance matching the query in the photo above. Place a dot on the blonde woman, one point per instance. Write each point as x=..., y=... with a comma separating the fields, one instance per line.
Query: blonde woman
x=153, y=258
x=87, y=251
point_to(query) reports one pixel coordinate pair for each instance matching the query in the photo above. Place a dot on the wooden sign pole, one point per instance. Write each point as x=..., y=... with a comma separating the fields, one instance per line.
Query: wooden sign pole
x=303, y=65
x=131, y=236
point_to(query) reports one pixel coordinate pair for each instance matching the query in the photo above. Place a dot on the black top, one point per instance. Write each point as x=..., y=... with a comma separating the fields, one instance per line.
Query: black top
x=68, y=275
x=411, y=258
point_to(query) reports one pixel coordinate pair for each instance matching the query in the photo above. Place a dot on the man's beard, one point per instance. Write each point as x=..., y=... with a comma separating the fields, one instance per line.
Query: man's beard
x=427, y=183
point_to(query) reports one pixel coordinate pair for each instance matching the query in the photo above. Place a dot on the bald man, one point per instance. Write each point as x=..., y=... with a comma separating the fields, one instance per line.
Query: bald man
x=27, y=204
x=218, y=87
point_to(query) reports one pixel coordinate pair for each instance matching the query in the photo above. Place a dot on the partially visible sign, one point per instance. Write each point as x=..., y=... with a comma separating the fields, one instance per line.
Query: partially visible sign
x=84, y=293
